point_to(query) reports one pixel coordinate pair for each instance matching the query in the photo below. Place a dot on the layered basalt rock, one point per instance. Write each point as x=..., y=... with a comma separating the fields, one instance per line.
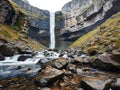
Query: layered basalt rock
x=9, y=15
x=80, y=17
x=14, y=28
x=39, y=22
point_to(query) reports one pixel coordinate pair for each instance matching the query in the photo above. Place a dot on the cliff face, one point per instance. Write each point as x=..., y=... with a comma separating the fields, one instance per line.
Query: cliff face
x=14, y=28
x=39, y=21
x=82, y=16
x=15, y=17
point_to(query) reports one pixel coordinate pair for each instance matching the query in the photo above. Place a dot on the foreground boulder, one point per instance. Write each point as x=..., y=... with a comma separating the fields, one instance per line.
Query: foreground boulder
x=105, y=62
x=95, y=83
x=58, y=63
x=48, y=76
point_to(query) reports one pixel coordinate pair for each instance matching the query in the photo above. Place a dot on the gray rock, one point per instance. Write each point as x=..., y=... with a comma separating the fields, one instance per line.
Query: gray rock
x=48, y=76
x=105, y=62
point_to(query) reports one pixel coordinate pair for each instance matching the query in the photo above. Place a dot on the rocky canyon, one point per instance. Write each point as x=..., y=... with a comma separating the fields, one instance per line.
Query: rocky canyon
x=84, y=52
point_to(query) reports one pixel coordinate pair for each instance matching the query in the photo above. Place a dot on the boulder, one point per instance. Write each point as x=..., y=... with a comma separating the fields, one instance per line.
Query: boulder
x=2, y=58
x=95, y=83
x=105, y=62
x=48, y=76
x=23, y=58
x=60, y=63
x=115, y=56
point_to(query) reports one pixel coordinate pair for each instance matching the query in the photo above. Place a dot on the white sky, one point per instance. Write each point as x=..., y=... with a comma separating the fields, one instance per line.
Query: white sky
x=51, y=5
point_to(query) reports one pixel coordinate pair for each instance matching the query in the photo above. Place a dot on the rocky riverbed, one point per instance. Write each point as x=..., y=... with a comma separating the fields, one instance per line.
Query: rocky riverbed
x=62, y=70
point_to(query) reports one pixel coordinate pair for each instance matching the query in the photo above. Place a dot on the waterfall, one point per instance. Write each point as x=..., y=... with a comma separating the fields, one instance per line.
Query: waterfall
x=52, y=29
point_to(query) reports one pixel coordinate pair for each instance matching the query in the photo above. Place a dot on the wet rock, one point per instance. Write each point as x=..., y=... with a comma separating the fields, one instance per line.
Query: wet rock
x=116, y=85
x=115, y=56
x=25, y=52
x=33, y=72
x=2, y=58
x=95, y=83
x=61, y=55
x=6, y=51
x=60, y=63
x=105, y=62
x=23, y=58
x=48, y=76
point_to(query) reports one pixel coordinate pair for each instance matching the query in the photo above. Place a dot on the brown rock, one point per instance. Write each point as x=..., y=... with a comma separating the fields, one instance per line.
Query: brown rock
x=48, y=76
x=60, y=63
x=95, y=83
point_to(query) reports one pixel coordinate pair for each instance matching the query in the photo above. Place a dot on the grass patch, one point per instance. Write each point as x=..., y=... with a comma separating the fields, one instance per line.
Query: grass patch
x=106, y=36
x=8, y=34
x=82, y=40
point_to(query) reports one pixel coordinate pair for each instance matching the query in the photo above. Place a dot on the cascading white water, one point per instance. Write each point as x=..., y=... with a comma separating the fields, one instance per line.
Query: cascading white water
x=52, y=29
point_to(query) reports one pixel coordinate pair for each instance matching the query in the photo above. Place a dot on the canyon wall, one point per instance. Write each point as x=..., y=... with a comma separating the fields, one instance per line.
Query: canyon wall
x=81, y=16
x=39, y=21
x=17, y=18
x=14, y=29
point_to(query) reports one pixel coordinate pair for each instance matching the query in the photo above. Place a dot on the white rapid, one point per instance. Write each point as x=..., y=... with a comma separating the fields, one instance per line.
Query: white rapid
x=42, y=56
x=52, y=29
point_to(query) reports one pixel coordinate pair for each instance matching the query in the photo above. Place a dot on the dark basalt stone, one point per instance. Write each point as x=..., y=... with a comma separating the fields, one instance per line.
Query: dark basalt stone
x=23, y=58
x=2, y=58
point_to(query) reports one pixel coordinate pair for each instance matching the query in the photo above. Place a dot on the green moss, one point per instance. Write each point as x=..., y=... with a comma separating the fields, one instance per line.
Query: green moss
x=5, y=33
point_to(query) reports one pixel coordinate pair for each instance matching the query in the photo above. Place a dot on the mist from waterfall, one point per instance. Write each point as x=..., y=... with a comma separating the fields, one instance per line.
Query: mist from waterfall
x=52, y=30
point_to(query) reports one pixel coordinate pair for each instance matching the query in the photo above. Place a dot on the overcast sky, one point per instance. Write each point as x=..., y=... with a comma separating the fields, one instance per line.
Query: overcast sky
x=51, y=5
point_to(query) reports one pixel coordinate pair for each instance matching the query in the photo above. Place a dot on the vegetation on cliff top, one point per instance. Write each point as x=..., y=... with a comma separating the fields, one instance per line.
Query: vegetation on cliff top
x=17, y=8
x=105, y=37
x=38, y=16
